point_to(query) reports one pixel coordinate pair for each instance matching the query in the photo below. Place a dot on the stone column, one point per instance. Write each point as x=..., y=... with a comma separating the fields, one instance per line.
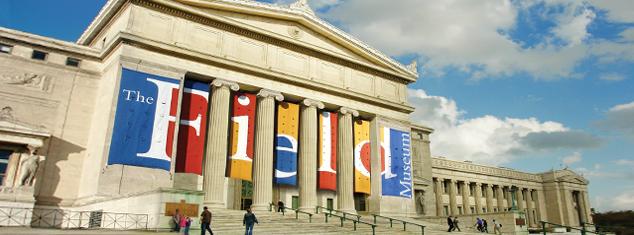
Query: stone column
x=216, y=151
x=489, y=198
x=452, y=197
x=439, y=192
x=509, y=198
x=500, y=196
x=520, y=199
x=586, y=205
x=308, y=154
x=263, y=159
x=466, y=207
x=537, y=206
x=478, y=197
x=345, y=160
x=529, y=208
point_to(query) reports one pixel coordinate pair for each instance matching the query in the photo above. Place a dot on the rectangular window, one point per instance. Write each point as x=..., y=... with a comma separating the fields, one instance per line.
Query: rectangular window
x=4, y=163
x=495, y=194
x=472, y=210
x=38, y=55
x=444, y=187
x=446, y=210
x=484, y=209
x=72, y=62
x=4, y=48
x=471, y=188
x=460, y=210
x=458, y=186
x=504, y=193
x=484, y=190
x=495, y=209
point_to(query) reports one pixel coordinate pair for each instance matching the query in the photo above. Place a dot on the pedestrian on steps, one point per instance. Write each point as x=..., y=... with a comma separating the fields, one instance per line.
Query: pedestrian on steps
x=249, y=220
x=205, y=222
x=450, y=224
x=497, y=227
x=185, y=223
x=455, y=224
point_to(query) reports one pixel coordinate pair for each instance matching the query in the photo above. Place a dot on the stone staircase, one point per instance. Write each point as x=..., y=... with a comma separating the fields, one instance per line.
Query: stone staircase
x=230, y=222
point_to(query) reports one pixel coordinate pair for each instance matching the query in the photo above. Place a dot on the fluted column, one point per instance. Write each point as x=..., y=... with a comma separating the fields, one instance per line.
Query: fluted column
x=529, y=207
x=489, y=198
x=345, y=157
x=500, y=196
x=478, y=198
x=439, y=193
x=537, y=206
x=466, y=207
x=216, y=152
x=452, y=197
x=586, y=205
x=308, y=154
x=263, y=159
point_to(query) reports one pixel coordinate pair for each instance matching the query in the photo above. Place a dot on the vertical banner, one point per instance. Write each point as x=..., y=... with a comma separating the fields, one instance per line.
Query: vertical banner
x=327, y=171
x=396, y=164
x=286, y=144
x=193, y=127
x=362, y=156
x=144, y=122
x=240, y=163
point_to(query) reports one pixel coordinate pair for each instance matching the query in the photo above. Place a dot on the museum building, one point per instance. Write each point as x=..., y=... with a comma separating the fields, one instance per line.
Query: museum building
x=233, y=104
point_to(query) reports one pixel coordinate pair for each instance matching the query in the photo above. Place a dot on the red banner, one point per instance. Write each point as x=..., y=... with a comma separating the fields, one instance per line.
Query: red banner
x=193, y=127
x=327, y=171
x=240, y=162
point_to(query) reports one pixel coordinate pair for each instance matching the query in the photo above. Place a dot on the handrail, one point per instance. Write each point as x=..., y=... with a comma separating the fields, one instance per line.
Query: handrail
x=297, y=211
x=422, y=227
x=342, y=218
x=342, y=212
x=583, y=228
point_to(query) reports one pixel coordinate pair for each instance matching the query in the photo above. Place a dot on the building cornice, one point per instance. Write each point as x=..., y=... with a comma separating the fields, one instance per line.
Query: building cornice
x=441, y=163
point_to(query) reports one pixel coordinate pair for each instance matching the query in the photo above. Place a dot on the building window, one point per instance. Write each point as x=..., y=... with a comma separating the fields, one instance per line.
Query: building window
x=484, y=209
x=446, y=210
x=472, y=210
x=504, y=191
x=458, y=188
x=4, y=48
x=72, y=62
x=495, y=209
x=445, y=187
x=38, y=55
x=471, y=188
x=4, y=163
x=495, y=195
x=484, y=190
x=459, y=210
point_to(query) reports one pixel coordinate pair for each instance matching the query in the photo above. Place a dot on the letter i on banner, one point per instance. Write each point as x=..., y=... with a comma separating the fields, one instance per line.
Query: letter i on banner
x=193, y=127
x=286, y=144
x=362, y=156
x=242, y=133
x=327, y=171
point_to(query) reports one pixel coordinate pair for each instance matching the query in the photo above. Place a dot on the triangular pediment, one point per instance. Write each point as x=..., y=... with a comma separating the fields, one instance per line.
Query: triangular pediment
x=298, y=27
x=571, y=177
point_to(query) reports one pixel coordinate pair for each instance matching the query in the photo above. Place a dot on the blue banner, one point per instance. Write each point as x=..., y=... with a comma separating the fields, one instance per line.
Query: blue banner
x=397, y=163
x=286, y=144
x=144, y=122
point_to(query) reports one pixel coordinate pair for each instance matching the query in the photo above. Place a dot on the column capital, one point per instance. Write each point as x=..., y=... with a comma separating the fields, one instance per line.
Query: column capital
x=346, y=110
x=218, y=82
x=313, y=103
x=478, y=184
x=266, y=93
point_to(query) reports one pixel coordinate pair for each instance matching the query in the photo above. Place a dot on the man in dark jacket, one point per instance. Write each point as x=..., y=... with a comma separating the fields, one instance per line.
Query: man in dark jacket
x=205, y=221
x=248, y=221
x=450, y=224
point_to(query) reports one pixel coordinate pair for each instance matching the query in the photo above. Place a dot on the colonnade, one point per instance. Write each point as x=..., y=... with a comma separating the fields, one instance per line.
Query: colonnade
x=216, y=151
x=497, y=198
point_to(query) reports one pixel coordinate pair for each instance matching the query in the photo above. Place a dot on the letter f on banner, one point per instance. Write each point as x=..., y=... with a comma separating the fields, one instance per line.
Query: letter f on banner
x=164, y=119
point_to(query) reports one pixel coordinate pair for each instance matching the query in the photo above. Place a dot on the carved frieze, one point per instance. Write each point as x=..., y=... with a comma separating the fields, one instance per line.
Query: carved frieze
x=27, y=80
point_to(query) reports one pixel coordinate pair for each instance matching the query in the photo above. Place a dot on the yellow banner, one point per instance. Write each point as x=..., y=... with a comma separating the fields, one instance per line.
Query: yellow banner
x=362, y=156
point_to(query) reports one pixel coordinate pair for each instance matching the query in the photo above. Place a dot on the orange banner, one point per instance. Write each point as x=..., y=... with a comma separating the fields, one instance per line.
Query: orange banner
x=362, y=156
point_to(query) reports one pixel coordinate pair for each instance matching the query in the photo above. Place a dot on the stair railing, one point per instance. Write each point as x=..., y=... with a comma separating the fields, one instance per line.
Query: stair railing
x=330, y=210
x=355, y=222
x=297, y=212
x=391, y=219
x=583, y=229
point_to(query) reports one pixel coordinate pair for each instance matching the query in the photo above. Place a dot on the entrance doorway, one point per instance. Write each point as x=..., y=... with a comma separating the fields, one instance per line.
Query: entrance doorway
x=295, y=203
x=246, y=195
x=329, y=203
x=360, y=201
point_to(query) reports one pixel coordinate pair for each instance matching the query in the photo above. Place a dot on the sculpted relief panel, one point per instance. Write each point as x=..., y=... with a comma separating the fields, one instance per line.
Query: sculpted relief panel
x=25, y=80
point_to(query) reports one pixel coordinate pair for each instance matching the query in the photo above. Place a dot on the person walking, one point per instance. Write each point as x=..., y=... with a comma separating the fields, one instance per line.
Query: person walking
x=455, y=224
x=248, y=221
x=205, y=221
x=187, y=223
x=485, y=226
x=450, y=224
x=280, y=206
x=478, y=224
x=497, y=227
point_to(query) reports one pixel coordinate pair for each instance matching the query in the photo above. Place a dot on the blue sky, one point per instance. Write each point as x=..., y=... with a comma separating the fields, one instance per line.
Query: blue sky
x=530, y=85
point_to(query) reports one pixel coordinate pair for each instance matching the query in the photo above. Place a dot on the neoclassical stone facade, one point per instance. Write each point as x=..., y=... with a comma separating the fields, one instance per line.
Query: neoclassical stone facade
x=60, y=101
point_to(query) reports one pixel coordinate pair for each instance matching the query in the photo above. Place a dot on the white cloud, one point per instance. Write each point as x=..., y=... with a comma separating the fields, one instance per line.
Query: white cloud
x=627, y=35
x=473, y=36
x=620, y=118
x=620, y=202
x=625, y=162
x=617, y=10
x=573, y=158
x=488, y=139
x=613, y=77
